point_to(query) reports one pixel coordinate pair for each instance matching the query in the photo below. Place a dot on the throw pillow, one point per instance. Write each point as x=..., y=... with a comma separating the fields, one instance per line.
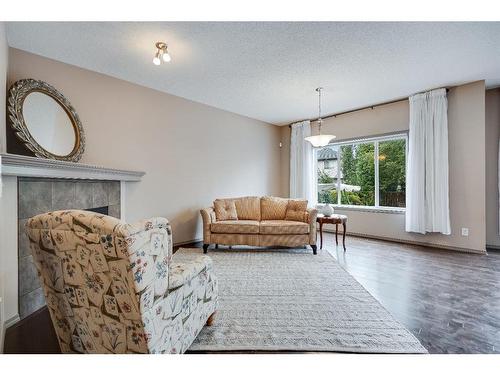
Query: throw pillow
x=225, y=209
x=273, y=208
x=248, y=208
x=296, y=210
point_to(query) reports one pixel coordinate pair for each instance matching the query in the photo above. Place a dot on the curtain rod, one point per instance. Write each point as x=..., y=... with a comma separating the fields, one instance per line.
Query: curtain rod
x=361, y=109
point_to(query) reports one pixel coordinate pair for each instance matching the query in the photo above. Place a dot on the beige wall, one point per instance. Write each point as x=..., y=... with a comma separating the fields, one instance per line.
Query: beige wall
x=191, y=153
x=9, y=265
x=3, y=76
x=466, y=113
x=492, y=138
x=4, y=60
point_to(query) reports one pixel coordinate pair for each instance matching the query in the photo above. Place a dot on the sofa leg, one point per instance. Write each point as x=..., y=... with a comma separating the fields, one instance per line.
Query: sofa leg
x=205, y=248
x=314, y=247
x=211, y=319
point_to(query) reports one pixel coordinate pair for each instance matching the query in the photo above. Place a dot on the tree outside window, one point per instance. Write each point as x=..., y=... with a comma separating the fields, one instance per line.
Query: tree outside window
x=392, y=173
x=355, y=178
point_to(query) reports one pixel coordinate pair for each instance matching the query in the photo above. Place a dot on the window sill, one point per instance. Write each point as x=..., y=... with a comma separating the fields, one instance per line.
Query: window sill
x=384, y=210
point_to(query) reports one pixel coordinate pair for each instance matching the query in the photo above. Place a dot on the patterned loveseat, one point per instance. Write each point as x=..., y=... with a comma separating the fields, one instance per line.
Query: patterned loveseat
x=259, y=221
x=112, y=287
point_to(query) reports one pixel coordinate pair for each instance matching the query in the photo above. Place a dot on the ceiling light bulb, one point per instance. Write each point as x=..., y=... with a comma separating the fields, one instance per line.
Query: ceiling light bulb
x=156, y=59
x=166, y=56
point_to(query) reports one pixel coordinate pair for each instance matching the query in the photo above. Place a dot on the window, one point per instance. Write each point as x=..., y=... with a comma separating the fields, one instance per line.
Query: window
x=329, y=164
x=368, y=173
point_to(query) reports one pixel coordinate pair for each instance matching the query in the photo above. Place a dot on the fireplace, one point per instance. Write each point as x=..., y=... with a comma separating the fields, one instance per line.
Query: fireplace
x=100, y=210
x=39, y=195
x=32, y=186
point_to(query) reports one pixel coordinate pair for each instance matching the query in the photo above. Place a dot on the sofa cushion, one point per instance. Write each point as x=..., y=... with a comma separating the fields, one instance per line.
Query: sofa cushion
x=273, y=208
x=296, y=210
x=283, y=227
x=248, y=208
x=225, y=209
x=235, y=227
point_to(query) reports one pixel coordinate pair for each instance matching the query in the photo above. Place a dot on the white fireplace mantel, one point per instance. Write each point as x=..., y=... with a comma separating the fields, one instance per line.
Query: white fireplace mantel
x=27, y=166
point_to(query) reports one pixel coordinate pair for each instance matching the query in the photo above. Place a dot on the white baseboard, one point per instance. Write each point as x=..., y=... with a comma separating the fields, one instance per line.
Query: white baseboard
x=10, y=322
x=408, y=242
x=389, y=239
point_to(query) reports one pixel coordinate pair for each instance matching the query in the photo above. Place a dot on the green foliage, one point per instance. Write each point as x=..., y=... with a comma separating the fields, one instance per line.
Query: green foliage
x=365, y=173
x=392, y=172
x=392, y=165
x=347, y=197
x=358, y=169
x=351, y=198
x=323, y=177
x=348, y=164
x=327, y=196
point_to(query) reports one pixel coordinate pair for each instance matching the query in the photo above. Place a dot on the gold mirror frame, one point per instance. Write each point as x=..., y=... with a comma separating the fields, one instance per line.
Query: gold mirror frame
x=17, y=94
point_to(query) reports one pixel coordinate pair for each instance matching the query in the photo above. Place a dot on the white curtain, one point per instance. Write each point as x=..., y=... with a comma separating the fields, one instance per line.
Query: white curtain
x=302, y=164
x=427, y=202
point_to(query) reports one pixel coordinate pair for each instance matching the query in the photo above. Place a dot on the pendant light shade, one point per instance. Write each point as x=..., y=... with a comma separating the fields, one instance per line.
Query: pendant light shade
x=320, y=140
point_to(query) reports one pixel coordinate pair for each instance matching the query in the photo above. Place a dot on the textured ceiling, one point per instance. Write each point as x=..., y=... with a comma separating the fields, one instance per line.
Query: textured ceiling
x=269, y=71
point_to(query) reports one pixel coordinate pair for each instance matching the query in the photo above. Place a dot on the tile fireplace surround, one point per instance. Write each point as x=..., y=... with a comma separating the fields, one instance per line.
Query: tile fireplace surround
x=39, y=195
x=33, y=186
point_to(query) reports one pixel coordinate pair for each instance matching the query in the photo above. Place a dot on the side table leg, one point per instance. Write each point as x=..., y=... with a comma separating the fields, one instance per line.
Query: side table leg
x=321, y=235
x=337, y=234
x=343, y=237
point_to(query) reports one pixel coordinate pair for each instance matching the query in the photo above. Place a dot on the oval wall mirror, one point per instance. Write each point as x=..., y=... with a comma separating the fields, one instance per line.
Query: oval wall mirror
x=45, y=121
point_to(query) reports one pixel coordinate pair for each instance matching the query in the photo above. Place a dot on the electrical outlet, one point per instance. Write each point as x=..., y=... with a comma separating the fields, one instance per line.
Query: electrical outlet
x=465, y=232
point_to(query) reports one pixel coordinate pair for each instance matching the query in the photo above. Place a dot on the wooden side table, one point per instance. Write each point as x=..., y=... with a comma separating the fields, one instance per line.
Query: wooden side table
x=334, y=219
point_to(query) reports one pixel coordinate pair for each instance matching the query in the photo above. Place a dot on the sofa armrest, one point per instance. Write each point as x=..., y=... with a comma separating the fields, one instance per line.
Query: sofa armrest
x=312, y=214
x=208, y=216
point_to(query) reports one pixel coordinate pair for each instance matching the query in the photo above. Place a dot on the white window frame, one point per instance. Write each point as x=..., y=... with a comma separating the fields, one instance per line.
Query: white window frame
x=375, y=140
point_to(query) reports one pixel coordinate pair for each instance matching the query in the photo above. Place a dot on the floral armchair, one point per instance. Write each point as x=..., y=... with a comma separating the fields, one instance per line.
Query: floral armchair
x=112, y=287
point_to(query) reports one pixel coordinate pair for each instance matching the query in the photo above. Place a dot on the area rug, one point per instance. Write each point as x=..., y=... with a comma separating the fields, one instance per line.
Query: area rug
x=291, y=300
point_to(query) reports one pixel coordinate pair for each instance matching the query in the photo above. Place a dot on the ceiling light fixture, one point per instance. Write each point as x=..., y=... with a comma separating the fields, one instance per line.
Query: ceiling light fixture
x=161, y=54
x=320, y=140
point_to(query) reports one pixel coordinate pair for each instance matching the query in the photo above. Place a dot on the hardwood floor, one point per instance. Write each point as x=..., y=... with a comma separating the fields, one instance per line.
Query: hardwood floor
x=450, y=301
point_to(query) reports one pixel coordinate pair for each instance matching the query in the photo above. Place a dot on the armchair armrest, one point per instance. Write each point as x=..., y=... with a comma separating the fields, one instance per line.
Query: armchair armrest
x=147, y=245
x=155, y=233
x=180, y=273
x=208, y=216
x=312, y=214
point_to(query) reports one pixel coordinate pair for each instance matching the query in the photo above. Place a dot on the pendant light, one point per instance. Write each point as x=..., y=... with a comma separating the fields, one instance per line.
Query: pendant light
x=320, y=140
